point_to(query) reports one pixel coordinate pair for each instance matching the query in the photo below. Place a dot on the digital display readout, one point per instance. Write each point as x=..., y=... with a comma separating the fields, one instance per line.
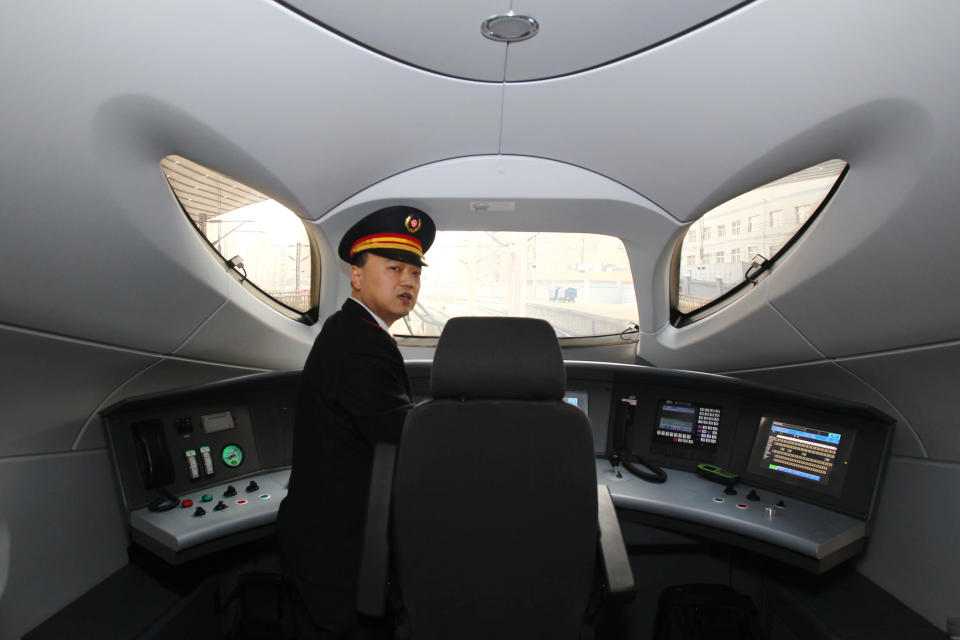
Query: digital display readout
x=687, y=423
x=213, y=422
x=577, y=399
x=801, y=452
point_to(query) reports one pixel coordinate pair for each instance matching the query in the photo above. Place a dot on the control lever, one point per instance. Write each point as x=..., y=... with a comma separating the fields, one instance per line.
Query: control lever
x=615, y=461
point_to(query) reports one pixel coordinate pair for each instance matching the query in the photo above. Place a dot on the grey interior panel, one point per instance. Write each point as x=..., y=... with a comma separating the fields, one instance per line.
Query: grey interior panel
x=605, y=31
x=46, y=386
x=922, y=384
x=899, y=556
x=832, y=379
x=166, y=374
x=729, y=340
x=233, y=323
x=63, y=521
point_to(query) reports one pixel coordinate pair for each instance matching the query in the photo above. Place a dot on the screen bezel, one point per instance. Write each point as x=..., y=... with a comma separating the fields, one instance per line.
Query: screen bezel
x=757, y=468
x=663, y=446
x=582, y=398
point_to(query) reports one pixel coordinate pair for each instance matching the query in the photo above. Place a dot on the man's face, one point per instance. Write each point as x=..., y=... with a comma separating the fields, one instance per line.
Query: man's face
x=388, y=287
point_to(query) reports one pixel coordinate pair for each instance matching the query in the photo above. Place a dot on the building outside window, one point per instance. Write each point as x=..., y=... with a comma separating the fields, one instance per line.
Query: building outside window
x=773, y=213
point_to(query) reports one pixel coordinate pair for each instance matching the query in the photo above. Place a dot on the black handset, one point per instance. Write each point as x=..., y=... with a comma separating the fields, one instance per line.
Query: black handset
x=153, y=454
x=620, y=426
x=621, y=454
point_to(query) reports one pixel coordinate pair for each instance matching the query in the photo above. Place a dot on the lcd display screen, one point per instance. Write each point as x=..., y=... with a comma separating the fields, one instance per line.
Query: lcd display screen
x=687, y=423
x=801, y=453
x=578, y=399
x=213, y=422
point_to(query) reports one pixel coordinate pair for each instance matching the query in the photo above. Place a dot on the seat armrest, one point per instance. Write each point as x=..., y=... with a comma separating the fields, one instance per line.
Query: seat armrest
x=375, y=556
x=616, y=564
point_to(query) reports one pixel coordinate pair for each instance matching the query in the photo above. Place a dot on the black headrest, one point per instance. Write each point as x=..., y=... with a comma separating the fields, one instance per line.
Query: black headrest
x=515, y=358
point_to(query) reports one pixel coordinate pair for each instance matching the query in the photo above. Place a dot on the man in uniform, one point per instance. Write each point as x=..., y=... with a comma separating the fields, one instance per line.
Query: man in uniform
x=354, y=392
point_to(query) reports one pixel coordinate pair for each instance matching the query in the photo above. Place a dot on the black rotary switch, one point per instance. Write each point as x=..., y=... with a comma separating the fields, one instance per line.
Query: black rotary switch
x=200, y=511
x=230, y=492
x=730, y=491
x=753, y=495
x=253, y=486
x=220, y=506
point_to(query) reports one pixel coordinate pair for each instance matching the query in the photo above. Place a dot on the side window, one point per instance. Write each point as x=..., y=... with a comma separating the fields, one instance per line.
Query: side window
x=266, y=242
x=769, y=228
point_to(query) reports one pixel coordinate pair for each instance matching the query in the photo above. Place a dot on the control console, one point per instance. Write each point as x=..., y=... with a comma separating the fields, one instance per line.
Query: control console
x=203, y=468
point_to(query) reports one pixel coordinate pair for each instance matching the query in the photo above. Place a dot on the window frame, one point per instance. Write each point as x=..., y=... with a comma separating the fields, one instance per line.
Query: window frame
x=308, y=317
x=679, y=319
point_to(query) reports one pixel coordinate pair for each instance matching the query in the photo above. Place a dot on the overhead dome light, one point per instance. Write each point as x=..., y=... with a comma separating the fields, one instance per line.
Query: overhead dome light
x=509, y=27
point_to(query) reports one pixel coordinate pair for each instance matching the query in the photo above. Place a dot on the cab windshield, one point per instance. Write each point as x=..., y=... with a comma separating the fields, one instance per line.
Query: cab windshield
x=580, y=283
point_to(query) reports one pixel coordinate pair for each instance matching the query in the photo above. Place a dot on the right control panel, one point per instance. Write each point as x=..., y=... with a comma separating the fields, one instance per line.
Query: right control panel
x=824, y=451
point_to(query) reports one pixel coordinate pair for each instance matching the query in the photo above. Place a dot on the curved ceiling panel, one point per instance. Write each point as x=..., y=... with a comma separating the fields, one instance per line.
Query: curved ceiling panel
x=445, y=37
x=436, y=35
x=575, y=36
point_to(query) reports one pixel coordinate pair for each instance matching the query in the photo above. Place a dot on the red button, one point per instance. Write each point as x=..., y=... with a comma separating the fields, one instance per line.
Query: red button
x=741, y=506
x=241, y=501
x=186, y=503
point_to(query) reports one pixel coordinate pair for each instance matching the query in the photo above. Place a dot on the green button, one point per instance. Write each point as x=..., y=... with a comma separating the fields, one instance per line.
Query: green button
x=264, y=496
x=718, y=499
x=207, y=497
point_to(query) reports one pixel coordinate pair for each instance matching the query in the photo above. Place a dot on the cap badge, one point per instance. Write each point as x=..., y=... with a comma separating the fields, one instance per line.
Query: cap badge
x=412, y=223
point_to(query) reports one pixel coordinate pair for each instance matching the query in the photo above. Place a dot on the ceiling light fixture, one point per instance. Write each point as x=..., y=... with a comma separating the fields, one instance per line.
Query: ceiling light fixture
x=509, y=27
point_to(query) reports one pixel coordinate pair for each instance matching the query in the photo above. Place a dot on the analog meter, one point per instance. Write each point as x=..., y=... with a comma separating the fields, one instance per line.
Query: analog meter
x=232, y=455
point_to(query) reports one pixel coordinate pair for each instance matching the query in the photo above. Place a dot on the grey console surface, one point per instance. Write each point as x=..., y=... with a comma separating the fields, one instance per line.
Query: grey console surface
x=181, y=528
x=808, y=530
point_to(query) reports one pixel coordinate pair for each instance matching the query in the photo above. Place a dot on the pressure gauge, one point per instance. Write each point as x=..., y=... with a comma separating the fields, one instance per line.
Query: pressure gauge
x=232, y=455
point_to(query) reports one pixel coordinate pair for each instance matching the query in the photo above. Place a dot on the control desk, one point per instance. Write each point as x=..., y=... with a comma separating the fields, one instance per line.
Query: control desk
x=785, y=474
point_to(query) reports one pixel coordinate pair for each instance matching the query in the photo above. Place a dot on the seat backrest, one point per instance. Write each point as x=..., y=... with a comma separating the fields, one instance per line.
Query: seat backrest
x=494, y=496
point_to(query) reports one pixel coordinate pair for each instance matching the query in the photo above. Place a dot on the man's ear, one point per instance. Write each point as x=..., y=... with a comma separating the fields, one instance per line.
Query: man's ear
x=356, y=277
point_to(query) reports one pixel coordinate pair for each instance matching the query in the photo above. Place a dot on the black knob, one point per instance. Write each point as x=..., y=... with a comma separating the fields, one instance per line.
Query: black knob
x=253, y=486
x=230, y=492
x=220, y=506
x=753, y=495
x=200, y=511
x=780, y=503
x=730, y=491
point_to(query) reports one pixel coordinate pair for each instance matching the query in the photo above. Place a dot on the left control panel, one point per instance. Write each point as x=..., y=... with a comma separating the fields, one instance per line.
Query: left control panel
x=206, y=467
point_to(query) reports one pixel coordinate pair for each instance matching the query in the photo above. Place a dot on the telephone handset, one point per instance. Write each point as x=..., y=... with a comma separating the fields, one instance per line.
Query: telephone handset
x=620, y=454
x=153, y=454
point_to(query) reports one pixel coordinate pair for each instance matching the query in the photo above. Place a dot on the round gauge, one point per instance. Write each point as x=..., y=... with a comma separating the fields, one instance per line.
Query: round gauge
x=232, y=455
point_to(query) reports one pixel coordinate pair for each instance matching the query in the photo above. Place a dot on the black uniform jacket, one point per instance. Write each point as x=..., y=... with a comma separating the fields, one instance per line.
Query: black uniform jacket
x=354, y=392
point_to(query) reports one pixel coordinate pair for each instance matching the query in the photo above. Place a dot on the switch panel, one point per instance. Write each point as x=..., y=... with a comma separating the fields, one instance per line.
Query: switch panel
x=207, y=461
x=192, y=467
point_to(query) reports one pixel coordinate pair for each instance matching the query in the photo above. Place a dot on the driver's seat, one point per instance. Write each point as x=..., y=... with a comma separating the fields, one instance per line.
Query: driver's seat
x=495, y=496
